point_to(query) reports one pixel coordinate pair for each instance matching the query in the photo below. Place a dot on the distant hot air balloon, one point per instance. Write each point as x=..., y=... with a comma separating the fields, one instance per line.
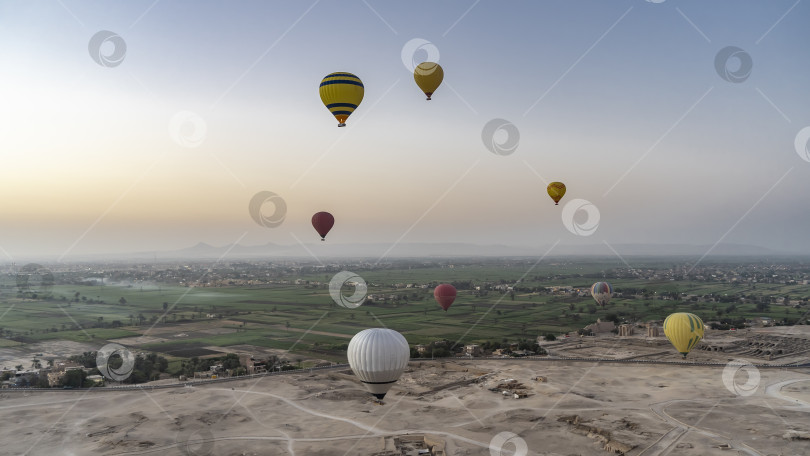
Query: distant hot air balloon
x=323, y=222
x=556, y=190
x=601, y=292
x=445, y=294
x=378, y=356
x=428, y=76
x=684, y=330
x=341, y=93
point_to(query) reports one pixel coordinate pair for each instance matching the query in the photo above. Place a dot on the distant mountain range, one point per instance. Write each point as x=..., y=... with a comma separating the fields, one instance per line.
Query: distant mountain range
x=443, y=250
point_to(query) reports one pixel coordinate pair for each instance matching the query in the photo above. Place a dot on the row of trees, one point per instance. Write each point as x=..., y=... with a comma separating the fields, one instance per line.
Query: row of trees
x=195, y=364
x=445, y=349
x=146, y=368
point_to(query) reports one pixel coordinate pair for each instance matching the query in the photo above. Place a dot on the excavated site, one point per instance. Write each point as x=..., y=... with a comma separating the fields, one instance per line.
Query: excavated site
x=471, y=407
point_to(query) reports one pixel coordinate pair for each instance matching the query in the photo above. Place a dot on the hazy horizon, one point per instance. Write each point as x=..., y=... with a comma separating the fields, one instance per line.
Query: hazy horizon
x=162, y=145
x=622, y=254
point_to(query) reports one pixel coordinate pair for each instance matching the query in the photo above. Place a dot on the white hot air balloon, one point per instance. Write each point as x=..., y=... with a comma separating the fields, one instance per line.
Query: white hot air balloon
x=378, y=356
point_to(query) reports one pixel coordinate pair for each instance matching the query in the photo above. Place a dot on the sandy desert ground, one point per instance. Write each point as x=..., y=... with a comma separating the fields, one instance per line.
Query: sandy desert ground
x=57, y=349
x=573, y=409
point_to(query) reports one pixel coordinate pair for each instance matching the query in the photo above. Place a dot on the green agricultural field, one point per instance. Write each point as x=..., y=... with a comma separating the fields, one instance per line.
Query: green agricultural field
x=9, y=343
x=303, y=318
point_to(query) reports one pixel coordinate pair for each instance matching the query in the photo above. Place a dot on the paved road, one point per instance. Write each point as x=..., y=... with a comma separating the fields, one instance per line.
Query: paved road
x=345, y=366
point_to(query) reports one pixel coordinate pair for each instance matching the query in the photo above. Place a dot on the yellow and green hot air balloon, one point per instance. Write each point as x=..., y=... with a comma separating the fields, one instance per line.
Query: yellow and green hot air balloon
x=684, y=330
x=428, y=76
x=556, y=190
x=341, y=93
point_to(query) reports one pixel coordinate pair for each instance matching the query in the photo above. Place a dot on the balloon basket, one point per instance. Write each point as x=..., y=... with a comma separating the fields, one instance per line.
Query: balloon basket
x=341, y=125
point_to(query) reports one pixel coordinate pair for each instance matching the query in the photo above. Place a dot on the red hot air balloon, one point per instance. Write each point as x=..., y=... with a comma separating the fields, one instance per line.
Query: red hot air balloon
x=445, y=294
x=323, y=222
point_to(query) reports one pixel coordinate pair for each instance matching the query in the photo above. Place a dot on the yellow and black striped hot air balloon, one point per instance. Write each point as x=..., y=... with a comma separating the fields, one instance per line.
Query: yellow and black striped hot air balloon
x=341, y=93
x=684, y=330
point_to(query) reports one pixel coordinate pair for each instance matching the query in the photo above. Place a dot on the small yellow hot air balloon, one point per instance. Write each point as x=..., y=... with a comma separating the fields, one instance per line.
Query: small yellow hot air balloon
x=341, y=93
x=684, y=330
x=556, y=190
x=428, y=76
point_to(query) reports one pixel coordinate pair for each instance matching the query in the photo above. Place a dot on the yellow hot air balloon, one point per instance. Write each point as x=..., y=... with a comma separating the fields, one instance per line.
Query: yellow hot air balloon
x=428, y=76
x=684, y=330
x=341, y=93
x=556, y=190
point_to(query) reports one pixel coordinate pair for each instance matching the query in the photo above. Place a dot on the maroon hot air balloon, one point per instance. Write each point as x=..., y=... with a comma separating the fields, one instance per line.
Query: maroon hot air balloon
x=323, y=222
x=445, y=294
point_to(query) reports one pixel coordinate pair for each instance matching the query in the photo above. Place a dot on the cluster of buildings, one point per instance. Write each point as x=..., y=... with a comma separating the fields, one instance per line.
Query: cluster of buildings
x=253, y=365
x=475, y=350
x=650, y=328
x=14, y=378
x=745, y=273
x=412, y=445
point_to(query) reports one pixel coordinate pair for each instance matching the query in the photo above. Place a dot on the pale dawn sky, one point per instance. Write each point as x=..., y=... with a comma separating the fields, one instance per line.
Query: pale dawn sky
x=159, y=139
